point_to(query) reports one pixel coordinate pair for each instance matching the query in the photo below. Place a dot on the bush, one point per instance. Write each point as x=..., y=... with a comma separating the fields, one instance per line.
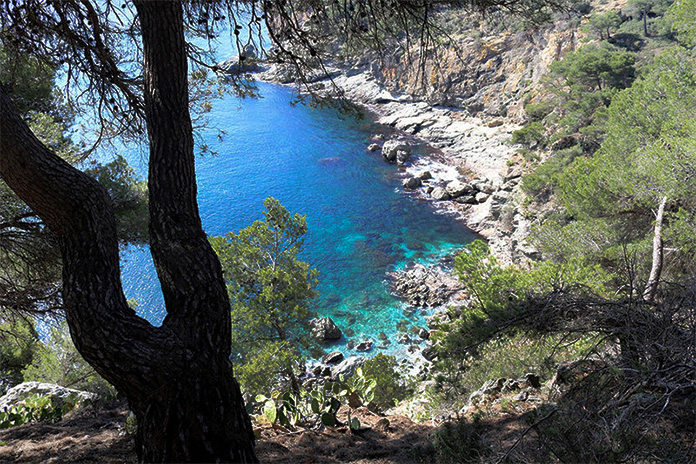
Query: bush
x=391, y=385
x=548, y=174
x=458, y=442
x=19, y=343
x=59, y=362
x=35, y=408
x=538, y=111
x=530, y=135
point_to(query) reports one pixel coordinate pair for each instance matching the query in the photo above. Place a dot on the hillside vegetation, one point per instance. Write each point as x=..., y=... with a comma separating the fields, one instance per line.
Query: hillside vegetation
x=582, y=351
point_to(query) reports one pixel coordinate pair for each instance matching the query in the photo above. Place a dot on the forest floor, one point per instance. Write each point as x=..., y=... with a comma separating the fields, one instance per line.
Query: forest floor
x=99, y=435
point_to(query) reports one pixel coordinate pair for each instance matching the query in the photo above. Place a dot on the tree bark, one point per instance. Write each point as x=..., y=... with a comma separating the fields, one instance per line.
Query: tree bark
x=178, y=377
x=657, y=254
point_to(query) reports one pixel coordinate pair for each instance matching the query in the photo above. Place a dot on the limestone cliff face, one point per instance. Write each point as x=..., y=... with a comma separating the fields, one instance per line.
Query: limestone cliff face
x=489, y=76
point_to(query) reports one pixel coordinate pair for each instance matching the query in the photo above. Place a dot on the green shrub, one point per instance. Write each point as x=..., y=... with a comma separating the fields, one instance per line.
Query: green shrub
x=538, y=111
x=458, y=441
x=549, y=173
x=19, y=343
x=498, y=295
x=529, y=135
x=391, y=384
x=35, y=408
x=59, y=362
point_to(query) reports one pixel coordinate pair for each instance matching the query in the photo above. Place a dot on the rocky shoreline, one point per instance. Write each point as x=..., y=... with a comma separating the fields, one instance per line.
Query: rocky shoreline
x=470, y=170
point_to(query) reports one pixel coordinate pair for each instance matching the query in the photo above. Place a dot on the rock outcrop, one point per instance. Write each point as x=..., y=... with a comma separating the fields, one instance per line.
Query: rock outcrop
x=324, y=329
x=396, y=151
x=425, y=287
x=57, y=394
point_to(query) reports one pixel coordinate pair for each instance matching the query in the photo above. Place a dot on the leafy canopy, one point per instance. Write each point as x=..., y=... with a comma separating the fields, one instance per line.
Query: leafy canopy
x=272, y=294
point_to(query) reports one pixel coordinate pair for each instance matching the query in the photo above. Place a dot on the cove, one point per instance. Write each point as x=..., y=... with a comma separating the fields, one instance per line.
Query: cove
x=361, y=224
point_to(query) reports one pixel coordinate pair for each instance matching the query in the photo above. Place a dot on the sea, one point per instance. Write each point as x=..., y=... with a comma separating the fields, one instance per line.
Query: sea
x=362, y=224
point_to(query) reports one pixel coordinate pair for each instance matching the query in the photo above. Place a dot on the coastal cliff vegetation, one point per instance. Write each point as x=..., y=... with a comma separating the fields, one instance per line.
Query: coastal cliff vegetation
x=579, y=349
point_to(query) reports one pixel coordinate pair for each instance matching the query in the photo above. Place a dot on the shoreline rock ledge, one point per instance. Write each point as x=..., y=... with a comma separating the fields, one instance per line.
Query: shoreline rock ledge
x=425, y=287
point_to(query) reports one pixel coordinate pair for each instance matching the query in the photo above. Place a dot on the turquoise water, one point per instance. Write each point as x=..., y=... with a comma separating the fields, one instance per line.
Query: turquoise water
x=361, y=224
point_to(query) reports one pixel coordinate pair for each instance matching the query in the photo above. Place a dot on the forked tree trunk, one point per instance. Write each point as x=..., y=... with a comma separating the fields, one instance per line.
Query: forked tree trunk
x=657, y=254
x=177, y=377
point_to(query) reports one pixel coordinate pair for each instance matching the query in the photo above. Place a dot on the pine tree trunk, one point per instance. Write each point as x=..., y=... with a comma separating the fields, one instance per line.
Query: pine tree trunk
x=178, y=377
x=198, y=418
x=657, y=254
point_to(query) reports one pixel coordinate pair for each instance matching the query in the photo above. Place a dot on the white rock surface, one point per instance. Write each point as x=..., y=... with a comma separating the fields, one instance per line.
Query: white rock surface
x=57, y=393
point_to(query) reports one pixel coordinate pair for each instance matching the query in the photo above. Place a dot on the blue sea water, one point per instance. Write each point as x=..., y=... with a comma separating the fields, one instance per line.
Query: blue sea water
x=361, y=224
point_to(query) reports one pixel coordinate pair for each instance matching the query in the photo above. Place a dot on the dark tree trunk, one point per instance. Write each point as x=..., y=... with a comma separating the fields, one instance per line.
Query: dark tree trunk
x=178, y=377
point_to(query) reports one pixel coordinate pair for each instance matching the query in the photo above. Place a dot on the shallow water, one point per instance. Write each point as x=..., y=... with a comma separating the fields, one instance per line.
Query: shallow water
x=361, y=225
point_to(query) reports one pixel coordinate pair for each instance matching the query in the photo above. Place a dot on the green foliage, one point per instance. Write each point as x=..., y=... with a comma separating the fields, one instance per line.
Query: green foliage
x=530, y=135
x=497, y=293
x=683, y=21
x=548, y=174
x=31, y=84
x=36, y=408
x=57, y=361
x=357, y=389
x=643, y=10
x=129, y=195
x=306, y=408
x=586, y=81
x=603, y=23
x=371, y=388
x=272, y=293
x=458, y=441
x=648, y=154
x=538, y=111
x=18, y=345
x=593, y=68
x=391, y=386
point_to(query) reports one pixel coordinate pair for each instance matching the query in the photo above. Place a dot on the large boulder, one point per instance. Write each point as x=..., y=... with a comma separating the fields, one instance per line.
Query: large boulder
x=348, y=366
x=396, y=151
x=325, y=329
x=243, y=64
x=457, y=188
x=334, y=357
x=411, y=183
x=59, y=395
x=439, y=194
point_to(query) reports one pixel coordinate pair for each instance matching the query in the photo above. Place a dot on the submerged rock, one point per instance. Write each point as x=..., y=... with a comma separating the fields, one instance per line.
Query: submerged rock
x=334, y=357
x=364, y=346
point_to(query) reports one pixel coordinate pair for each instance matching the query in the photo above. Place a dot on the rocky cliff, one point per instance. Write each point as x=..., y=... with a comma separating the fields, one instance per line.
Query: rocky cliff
x=489, y=75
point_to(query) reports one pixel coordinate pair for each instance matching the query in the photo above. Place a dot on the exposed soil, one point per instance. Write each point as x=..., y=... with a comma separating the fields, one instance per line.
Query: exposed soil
x=397, y=440
x=88, y=435
x=99, y=436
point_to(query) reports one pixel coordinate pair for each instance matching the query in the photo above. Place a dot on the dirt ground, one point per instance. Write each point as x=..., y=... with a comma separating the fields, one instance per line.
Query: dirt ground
x=86, y=436
x=99, y=436
x=92, y=435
